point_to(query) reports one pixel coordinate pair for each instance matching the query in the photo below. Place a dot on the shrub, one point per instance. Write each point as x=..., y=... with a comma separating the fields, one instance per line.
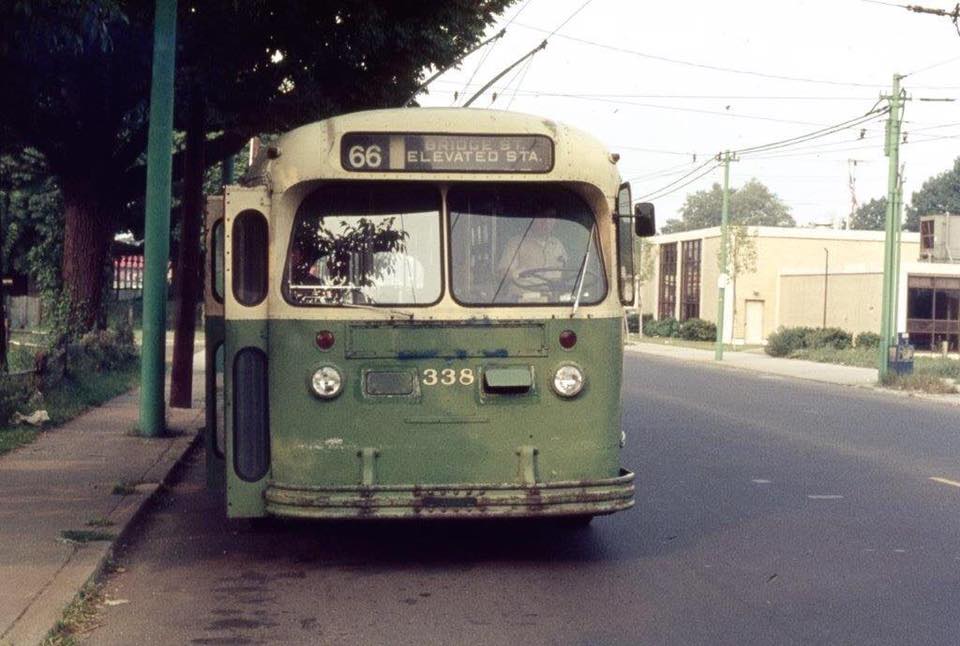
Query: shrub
x=830, y=337
x=633, y=322
x=868, y=340
x=100, y=350
x=667, y=327
x=698, y=330
x=787, y=340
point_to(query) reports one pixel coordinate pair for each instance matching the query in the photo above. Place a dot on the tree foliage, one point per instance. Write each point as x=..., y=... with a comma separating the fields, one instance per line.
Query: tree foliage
x=75, y=76
x=871, y=216
x=939, y=194
x=753, y=204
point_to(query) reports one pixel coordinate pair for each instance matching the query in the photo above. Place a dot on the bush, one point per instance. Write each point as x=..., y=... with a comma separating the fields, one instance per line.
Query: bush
x=830, y=337
x=868, y=340
x=633, y=322
x=787, y=340
x=667, y=327
x=100, y=350
x=698, y=330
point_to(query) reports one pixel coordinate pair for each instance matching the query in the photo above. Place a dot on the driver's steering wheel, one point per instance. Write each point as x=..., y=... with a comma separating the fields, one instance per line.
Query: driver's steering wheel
x=550, y=278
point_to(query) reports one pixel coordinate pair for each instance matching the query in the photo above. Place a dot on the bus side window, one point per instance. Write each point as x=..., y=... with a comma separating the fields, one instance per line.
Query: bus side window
x=249, y=262
x=216, y=260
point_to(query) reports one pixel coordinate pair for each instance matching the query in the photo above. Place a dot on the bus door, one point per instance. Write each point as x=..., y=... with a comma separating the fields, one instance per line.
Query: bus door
x=245, y=350
x=214, y=432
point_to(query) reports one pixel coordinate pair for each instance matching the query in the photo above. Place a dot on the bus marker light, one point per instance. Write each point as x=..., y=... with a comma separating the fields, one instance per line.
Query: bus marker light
x=568, y=381
x=325, y=339
x=327, y=382
x=568, y=339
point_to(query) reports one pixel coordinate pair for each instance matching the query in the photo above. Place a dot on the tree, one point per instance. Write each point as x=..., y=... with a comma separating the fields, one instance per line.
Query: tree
x=939, y=194
x=741, y=258
x=753, y=204
x=871, y=216
x=75, y=76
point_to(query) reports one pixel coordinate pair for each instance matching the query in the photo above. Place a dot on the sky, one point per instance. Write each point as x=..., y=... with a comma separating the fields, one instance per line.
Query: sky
x=662, y=82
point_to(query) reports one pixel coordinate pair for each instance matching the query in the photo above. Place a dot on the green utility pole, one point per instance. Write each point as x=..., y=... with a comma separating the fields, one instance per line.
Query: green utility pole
x=891, y=251
x=726, y=158
x=157, y=231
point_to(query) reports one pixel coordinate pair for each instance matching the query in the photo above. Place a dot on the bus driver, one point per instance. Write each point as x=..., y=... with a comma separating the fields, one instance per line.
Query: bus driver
x=533, y=262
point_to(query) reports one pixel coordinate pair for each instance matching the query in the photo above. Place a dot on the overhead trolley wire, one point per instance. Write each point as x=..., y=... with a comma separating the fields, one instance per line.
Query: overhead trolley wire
x=529, y=54
x=730, y=70
x=715, y=68
x=487, y=53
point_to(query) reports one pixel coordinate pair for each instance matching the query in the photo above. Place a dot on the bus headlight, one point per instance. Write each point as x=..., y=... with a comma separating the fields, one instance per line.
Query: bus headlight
x=327, y=382
x=568, y=381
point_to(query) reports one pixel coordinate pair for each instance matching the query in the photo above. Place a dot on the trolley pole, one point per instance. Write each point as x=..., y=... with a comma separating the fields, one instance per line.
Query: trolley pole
x=726, y=158
x=891, y=256
x=157, y=225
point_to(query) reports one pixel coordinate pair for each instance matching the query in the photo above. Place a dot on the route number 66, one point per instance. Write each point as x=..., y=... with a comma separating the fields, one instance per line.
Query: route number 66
x=365, y=157
x=448, y=377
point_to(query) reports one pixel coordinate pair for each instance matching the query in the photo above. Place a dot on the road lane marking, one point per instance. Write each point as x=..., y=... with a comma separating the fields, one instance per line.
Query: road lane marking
x=824, y=496
x=761, y=481
x=952, y=483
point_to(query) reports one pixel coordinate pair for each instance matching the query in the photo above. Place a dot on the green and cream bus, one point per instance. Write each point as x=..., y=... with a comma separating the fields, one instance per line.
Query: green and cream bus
x=419, y=314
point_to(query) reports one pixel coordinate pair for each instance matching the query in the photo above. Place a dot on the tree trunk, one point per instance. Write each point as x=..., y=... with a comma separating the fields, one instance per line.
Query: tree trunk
x=187, y=285
x=86, y=239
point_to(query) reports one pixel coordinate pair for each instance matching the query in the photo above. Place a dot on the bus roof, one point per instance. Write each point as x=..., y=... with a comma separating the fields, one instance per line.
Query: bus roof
x=318, y=150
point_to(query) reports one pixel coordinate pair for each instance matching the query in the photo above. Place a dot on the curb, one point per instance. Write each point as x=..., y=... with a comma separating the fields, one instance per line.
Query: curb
x=89, y=561
x=946, y=400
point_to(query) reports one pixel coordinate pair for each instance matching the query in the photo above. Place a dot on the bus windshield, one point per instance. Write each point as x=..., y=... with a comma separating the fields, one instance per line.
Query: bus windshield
x=371, y=243
x=523, y=244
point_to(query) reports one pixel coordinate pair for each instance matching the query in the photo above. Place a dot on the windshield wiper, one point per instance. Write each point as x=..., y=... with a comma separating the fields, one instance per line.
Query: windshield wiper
x=582, y=273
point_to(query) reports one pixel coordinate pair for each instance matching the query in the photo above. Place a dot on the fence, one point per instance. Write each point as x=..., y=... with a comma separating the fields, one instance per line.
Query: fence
x=128, y=276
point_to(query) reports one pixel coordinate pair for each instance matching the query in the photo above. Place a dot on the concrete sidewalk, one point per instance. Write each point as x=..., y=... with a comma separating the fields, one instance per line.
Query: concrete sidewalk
x=828, y=373
x=759, y=362
x=65, y=482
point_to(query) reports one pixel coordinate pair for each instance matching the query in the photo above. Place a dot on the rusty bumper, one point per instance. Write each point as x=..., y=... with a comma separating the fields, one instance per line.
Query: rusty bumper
x=570, y=498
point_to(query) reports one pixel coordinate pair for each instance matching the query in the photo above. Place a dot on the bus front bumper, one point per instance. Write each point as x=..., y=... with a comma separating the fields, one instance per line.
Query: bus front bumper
x=570, y=498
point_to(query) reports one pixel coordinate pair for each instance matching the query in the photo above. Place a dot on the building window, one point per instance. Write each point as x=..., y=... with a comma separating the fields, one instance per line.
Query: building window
x=926, y=235
x=933, y=312
x=668, y=281
x=690, y=281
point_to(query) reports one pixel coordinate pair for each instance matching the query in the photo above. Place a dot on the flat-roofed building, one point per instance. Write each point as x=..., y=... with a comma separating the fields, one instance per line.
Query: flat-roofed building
x=797, y=276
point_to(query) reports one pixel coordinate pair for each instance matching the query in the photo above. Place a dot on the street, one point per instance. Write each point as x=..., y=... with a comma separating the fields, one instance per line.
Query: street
x=769, y=511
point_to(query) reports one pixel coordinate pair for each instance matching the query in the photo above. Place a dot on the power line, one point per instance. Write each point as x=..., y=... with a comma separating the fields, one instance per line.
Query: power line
x=710, y=162
x=660, y=195
x=715, y=68
x=816, y=134
x=930, y=67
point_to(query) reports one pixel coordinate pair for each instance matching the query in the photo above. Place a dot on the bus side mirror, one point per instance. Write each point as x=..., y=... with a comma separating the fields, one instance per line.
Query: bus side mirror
x=644, y=221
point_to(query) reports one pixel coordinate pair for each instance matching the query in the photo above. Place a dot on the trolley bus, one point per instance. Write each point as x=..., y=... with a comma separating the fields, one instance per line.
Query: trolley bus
x=419, y=314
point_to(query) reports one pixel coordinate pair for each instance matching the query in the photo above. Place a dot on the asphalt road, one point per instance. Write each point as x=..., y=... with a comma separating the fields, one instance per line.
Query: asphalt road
x=769, y=511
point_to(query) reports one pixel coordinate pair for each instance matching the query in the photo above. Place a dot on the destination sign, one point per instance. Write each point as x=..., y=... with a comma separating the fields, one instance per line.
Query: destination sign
x=400, y=152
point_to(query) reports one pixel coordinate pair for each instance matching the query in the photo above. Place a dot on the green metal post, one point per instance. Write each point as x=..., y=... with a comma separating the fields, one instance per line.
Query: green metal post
x=157, y=230
x=724, y=239
x=890, y=256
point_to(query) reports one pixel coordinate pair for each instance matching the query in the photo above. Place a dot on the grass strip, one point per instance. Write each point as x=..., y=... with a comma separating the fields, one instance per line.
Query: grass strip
x=70, y=398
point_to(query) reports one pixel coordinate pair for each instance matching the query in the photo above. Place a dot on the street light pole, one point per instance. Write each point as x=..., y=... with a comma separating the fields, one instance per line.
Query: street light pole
x=726, y=158
x=891, y=257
